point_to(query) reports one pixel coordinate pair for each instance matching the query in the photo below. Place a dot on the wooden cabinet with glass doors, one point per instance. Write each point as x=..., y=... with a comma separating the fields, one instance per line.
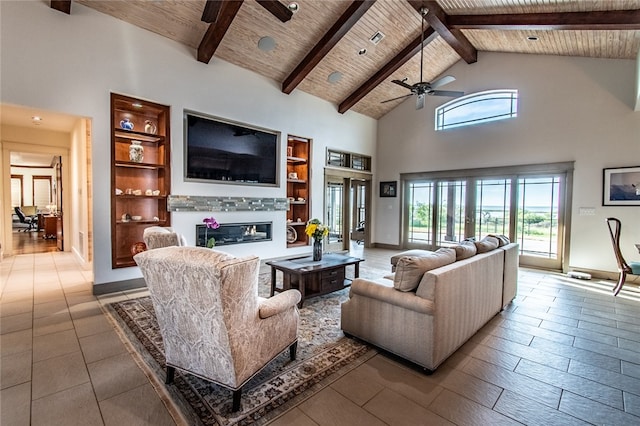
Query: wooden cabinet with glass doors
x=140, y=173
x=298, y=189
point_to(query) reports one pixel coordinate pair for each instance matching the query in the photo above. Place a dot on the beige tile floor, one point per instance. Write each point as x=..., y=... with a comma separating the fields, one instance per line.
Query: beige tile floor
x=565, y=352
x=62, y=362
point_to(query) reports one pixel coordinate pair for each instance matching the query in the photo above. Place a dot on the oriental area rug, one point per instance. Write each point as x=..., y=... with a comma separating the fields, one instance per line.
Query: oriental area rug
x=324, y=355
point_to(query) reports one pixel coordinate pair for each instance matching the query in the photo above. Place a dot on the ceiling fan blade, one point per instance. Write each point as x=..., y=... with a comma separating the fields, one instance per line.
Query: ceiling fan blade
x=395, y=99
x=402, y=83
x=450, y=93
x=442, y=81
x=420, y=102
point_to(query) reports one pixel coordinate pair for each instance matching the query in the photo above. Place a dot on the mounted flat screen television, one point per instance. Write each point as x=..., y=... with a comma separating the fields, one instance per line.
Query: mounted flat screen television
x=228, y=152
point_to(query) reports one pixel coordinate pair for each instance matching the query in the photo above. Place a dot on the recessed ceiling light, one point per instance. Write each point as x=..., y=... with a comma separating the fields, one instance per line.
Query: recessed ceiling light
x=334, y=77
x=266, y=44
x=136, y=105
x=36, y=118
x=362, y=51
x=532, y=38
x=293, y=6
x=377, y=37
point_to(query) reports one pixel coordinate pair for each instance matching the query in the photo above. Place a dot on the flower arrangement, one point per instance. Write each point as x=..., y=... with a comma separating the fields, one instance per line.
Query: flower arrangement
x=316, y=230
x=211, y=223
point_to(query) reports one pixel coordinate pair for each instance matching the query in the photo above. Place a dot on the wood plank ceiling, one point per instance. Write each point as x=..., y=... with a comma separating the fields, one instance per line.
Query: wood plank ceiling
x=590, y=28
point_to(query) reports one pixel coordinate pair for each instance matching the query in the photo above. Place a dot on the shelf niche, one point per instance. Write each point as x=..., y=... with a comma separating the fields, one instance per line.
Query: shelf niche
x=148, y=124
x=298, y=189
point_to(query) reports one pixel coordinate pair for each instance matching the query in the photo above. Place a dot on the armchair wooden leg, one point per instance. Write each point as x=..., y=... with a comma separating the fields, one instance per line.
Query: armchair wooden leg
x=621, y=280
x=237, y=395
x=292, y=350
x=170, y=373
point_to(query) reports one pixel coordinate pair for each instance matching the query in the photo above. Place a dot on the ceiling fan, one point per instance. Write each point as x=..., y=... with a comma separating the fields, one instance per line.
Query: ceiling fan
x=423, y=87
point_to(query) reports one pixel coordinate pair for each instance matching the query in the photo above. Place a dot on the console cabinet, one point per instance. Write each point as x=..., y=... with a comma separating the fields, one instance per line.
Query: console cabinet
x=140, y=173
x=298, y=189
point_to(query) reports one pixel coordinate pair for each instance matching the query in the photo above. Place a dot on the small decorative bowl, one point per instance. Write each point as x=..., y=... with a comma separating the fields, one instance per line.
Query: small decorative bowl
x=138, y=248
x=136, y=217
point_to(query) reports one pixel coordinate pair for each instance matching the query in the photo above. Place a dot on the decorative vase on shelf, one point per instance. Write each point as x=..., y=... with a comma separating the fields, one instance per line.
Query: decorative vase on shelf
x=126, y=124
x=150, y=127
x=136, y=152
x=317, y=250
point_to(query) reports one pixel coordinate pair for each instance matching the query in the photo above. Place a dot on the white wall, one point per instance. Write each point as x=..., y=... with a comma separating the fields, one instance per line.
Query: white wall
x=71, y=63
x=570, y=109
x=637, y=106
x=78, y=235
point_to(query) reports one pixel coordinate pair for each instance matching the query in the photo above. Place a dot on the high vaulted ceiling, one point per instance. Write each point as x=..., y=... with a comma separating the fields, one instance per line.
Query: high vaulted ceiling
x=324, y=36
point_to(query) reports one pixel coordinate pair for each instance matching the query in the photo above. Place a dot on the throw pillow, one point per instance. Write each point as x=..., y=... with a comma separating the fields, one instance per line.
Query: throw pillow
x=465, y=250
x=410, y=269
x=487, y=244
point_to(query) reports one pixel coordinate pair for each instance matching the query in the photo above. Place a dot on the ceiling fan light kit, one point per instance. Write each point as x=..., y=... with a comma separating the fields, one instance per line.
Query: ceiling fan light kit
x=424, y=87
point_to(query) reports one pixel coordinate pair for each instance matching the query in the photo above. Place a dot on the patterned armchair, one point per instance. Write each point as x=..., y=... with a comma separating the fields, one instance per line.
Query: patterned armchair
x=158, y=236
x=212, y=322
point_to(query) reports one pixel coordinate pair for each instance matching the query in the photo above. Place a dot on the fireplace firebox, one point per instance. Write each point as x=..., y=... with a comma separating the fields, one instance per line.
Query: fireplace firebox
x=233, y=233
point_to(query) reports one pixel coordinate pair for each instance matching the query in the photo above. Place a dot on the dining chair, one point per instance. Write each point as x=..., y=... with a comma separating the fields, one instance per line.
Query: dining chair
x=624, y=268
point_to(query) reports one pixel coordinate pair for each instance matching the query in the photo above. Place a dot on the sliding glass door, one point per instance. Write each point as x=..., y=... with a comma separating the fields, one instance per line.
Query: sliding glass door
x=539, y=220
x=440, y=211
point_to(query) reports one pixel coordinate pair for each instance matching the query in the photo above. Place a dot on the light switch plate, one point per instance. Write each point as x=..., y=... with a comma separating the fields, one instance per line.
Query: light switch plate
x=587, y=211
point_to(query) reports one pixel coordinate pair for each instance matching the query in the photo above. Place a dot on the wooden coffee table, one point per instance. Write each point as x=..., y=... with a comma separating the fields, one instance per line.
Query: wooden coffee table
x=314, y=278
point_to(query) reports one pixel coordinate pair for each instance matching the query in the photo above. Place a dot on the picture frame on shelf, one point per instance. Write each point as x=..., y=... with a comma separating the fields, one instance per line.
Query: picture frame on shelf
x=621, y=186
x=388, y=188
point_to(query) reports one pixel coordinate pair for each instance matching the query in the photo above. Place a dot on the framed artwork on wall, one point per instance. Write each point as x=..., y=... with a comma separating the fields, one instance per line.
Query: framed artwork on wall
x=621, y=186
x=389, y=188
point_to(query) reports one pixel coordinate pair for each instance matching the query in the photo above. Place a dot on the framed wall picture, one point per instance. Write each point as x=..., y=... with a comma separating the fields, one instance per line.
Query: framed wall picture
x=621, y=186
x=389, y=188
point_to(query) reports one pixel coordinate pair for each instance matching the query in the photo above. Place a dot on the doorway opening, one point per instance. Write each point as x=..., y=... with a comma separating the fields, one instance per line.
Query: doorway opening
x=46, y=182
x=36, y=201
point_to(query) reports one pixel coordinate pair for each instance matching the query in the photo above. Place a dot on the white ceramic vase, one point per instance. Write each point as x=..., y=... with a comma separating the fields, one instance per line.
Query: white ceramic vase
x=136, y=152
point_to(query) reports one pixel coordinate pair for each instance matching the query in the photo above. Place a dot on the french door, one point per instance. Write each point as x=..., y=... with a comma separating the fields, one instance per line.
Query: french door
x=346, y=208
x=335, y=212
x=530, y=208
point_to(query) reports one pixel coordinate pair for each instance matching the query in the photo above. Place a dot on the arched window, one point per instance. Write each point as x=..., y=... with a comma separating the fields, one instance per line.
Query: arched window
x=481, y=107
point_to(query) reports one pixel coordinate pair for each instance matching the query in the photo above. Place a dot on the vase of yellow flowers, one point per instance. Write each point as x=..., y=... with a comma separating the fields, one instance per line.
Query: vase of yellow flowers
x=316, y=230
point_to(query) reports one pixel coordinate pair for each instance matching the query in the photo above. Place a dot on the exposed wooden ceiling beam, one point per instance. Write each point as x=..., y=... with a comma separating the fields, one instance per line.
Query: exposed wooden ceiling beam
x=216, y=31
x=211, y=11
x=347, y=20
x=277, y=9
x=62, y=6
x=438, y=20
x=597, y=20
x=389, y=68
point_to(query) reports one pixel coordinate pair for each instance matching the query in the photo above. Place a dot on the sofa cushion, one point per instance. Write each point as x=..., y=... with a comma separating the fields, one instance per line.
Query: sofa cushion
x=465, y=250
x=503, y=240
x=487, y=244
x=410, y=269
x=414, y=252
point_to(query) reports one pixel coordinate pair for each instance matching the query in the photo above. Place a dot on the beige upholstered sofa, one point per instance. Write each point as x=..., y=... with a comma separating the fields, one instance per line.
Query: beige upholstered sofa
x=451, y=302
